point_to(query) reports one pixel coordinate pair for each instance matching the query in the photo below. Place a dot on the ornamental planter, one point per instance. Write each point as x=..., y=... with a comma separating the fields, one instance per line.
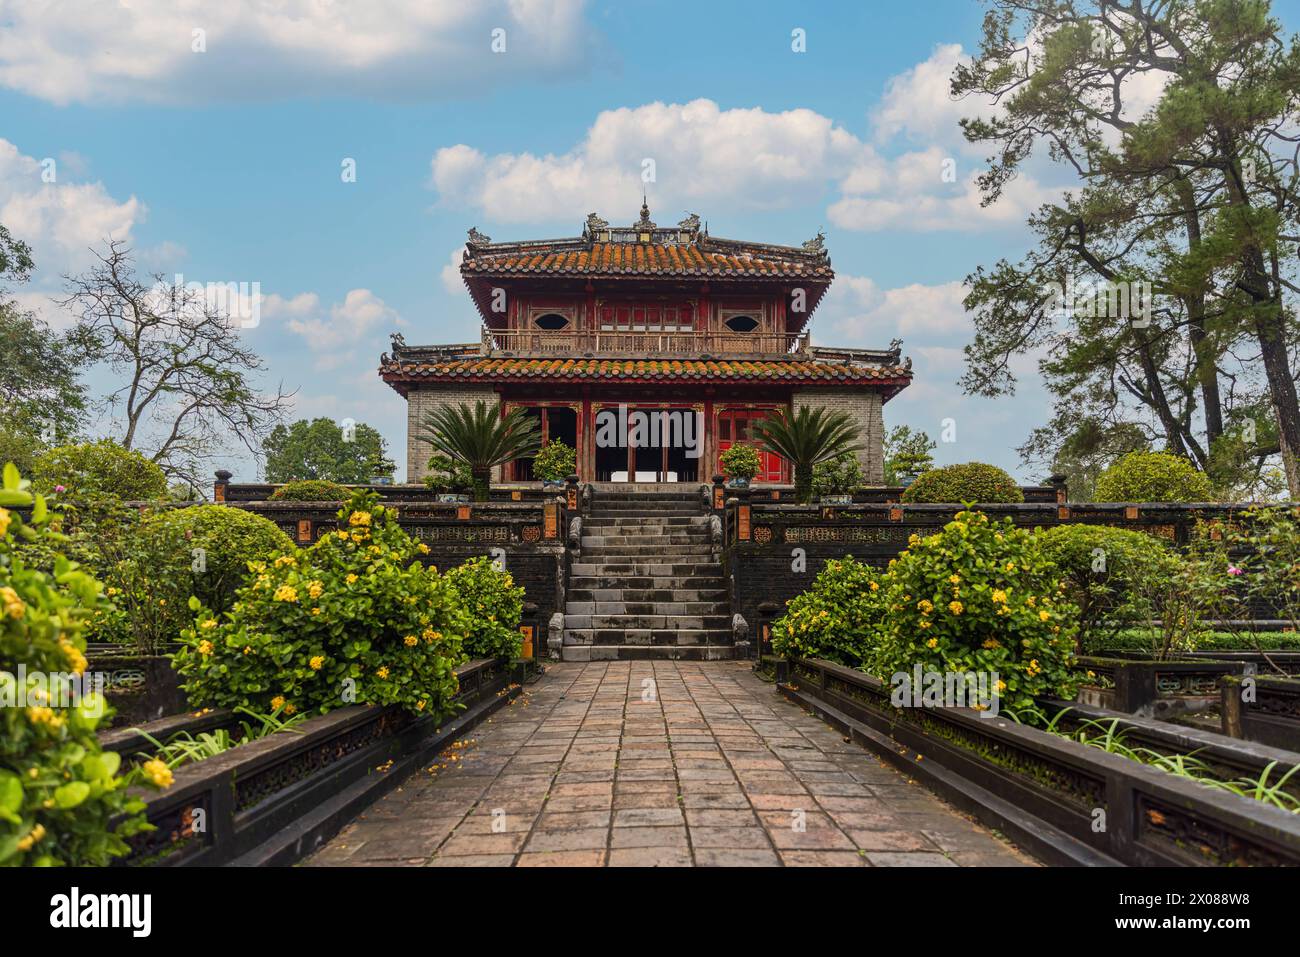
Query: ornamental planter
x=845, y=499
x=140, y=688
x=453, y=497
x=737, y=482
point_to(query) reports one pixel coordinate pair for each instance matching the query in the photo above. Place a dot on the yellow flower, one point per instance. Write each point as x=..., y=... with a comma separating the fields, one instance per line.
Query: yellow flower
x=925, y=606
x=42, y=715
x=110, y=592
x=159, y=775
x=315, y=611
x=423, y=549
x=359, y=518
x=999, y=595
x=4, y=521
x=248, y=649
x=31, y=837
x=382, y=672
x=317, y=662
x=14, y=606
x=913, y=539
x=955, y=579
x=875, y=586
x=932, y=643
x=1031, y=601
x=1002, y=685
x=351, y=579
x=314, y=589
x=419, y=705
x=290, y=708
x=205, y=647
x=277, y=702
x=992, y=643
x=285, y=560
x=342, y=534
x=1011, y=566
x=286, y=593
x=1044, y=615
x=955, y=607
x=431, y=635
x=923, y=623
x=411, y=641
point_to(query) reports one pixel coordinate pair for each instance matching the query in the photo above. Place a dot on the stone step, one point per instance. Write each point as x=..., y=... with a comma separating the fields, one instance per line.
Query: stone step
x=716, y=652
x=667, y=510
x=640, y=543
x=656, y=622
x=699, y=582
x=621, y=607
x=646, y=636
x=638, y=569
x=674, y=522
x=651, y=538
x=672, y=595
x=647, y=553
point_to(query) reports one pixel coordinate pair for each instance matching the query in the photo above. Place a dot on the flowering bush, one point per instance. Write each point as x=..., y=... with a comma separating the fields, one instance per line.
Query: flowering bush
x=968, y=482
x=979, y=596
x=838, y=618
x=555, y=461
x=355, y=618
x=741, y=461
x=493, y=605
x=311, y=490
x=99, y=468
x=1153, y=477
x=58, y=790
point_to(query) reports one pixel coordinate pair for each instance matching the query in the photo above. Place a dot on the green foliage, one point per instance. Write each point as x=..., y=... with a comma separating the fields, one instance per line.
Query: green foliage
x=839, y=618
x=968, y=482
x=1153, y=477
x=809, y=436
x=1253, y=562
x=58, y=790
x=479, y=438
x=446, y=476
x=979, y=596
x=493, y=605
x=555, y=461
x=186, y=748
x=741, y=461
x=42, y=398
x=99, y=468
x=18, y=446
x=355, y=618
x=311, y=490
x=906, y=453
x=319, y=450
x=841, y=475
x=1122, y=579
x=1139, y=639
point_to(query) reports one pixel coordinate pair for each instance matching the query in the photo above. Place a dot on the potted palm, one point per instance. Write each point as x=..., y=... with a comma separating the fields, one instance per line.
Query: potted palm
x=810, y=436
x=741, y=463
x=554, y=463
x=479, y=439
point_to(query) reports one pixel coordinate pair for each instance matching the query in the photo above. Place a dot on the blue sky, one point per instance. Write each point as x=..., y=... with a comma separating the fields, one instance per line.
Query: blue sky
x=225, y=164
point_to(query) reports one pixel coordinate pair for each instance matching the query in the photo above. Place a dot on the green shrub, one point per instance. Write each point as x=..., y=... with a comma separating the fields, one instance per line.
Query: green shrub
x=1139, y=639
x=841, y=475
x=1118, y=578
x=447, y=476
x=968, y=482
x=311, y=490
x=979, y=597
x=99, y=468
x=355, y=618
x=741, y=461
x=493, y=605
x=555, y=461
x=58, y=790
x=838, y=618
x=1153, y=477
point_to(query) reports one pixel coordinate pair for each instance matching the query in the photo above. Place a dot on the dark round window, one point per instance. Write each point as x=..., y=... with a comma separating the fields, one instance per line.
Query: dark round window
x=552, y=321
x=742, y=323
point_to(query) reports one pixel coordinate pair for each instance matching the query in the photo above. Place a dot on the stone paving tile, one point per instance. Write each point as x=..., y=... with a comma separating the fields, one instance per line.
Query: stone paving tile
x=713, y=770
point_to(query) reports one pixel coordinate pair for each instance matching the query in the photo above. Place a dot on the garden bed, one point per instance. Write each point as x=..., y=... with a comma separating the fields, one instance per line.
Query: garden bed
x=1065, y=802
x=274, y=800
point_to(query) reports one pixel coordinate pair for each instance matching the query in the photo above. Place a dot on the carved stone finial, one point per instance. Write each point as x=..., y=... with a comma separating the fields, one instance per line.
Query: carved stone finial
x=691, y=223
x=398, y=343
x=478, y=239
x=644, y=222
x=817, y=244
x=595, y=224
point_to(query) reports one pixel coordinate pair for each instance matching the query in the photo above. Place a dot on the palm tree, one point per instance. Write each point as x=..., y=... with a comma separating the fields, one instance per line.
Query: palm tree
x=808, y=437
x=479, y=438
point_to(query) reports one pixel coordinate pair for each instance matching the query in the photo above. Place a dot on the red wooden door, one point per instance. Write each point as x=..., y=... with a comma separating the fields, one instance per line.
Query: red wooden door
x=734, y=425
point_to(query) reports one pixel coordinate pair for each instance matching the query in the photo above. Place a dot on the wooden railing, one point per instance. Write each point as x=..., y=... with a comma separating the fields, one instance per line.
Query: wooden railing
x=598, y=342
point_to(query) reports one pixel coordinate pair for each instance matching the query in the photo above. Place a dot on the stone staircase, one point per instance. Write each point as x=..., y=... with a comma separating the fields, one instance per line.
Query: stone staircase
x=646, y=583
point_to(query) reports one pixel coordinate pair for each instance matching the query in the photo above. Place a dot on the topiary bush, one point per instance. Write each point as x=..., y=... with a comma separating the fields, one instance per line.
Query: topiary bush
x=841, y=475
x=838, y=618
x=493, y=605
x=1153, y=477
x=59, y=793
x=979, y=597
x=555, y=461
x=741, y=461
x=354, y=619
x=98, y=469
x=969, y=482
x=311, y=490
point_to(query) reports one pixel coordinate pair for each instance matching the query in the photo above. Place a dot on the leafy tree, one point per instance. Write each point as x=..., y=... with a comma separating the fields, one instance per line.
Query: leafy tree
x=320, y=449
x=907, y=452
x=187, y=383
x=809, y=436
x=479, y=438
x=1193, y=196
x=95, y=469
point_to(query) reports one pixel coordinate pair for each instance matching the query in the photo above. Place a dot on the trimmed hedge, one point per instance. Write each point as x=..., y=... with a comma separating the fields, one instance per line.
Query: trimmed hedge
x=311, y=490
x=968, y=482
x=1153, y=477
x=99, y=468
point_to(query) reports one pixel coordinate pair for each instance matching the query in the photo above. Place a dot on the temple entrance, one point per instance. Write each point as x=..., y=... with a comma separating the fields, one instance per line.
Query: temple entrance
x=638, y=443
x=556, y=422
x=734, y=425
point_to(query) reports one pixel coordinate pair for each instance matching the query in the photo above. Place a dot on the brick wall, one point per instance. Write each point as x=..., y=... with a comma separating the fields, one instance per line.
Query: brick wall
x=422, y=399
x=865, y=407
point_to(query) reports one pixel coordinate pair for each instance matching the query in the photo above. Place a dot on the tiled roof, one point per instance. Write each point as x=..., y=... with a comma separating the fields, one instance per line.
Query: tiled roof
x=645, y=259
x=791, y=370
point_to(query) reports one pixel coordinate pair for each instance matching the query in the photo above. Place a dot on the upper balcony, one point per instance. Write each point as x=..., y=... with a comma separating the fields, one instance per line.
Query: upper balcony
x=648, y=343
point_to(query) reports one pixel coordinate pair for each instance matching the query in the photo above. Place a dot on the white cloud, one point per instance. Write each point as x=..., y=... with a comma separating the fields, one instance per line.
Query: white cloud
x=859, y=312
x=406, y=49
x=451, y=278
x=344, y=324
x=917, y=103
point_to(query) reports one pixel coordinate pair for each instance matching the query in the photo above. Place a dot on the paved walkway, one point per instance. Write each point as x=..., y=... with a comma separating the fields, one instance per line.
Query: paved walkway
x=660, y=763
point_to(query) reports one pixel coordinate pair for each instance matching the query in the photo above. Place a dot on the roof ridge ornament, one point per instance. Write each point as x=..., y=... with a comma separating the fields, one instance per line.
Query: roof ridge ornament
x=691, y=223
x=644, y=222
x=477, y=238
x=817, y=244
x=595, y=225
